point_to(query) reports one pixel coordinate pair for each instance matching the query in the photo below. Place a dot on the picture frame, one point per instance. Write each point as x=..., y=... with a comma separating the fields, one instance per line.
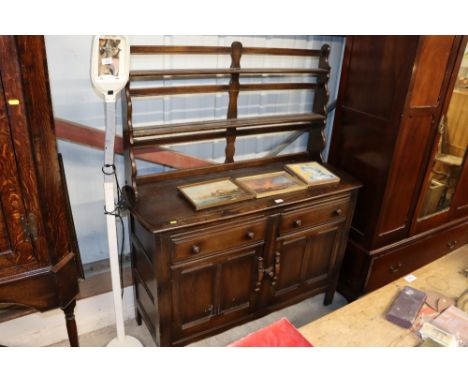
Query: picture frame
x=109, y=56
x=212, y=193
x=312, y=173
x=272, y=183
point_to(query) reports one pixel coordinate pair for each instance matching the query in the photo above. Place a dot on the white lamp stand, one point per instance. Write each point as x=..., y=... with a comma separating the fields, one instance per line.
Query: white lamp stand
x=109, y=74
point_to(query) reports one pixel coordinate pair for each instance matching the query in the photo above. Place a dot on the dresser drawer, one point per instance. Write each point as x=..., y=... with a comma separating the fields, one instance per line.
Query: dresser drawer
x=203, y=242
x=315, y=215
x=398, y=263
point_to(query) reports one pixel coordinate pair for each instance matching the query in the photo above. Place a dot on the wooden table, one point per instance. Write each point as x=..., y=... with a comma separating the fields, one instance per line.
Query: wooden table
x=363, y=323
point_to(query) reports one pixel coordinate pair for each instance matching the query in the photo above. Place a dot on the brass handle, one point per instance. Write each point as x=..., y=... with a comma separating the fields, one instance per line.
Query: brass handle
x=298, y=223
x=260, y=272
x=338, y=211
x=452, y=243
x=395, y=268
x=195, y=249
x=209, y=309
x=277, y=267
x=250, y=235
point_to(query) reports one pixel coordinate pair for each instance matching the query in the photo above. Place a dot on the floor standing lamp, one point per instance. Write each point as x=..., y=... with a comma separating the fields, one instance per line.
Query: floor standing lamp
x=109, y=74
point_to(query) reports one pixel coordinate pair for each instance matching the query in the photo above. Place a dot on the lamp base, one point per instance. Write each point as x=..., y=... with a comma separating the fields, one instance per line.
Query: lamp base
x=127, y=341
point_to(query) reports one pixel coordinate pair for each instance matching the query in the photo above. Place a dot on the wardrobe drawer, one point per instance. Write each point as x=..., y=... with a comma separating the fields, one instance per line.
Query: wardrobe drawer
x=318, y=214
x=202, y=242
x=398, y=263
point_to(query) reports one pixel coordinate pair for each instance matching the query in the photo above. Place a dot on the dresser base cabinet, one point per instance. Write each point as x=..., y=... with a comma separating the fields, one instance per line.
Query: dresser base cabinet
x=214, y=269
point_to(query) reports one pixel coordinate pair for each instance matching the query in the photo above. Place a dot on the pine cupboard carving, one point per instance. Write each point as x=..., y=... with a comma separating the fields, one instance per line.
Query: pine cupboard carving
x=39, y=259
x=197, y=273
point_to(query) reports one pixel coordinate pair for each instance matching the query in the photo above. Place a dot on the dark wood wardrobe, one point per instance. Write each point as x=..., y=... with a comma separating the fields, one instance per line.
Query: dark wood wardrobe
x=401, y=128
x=39, y=259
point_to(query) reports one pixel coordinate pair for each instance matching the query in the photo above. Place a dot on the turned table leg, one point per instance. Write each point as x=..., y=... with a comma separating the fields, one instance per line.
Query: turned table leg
x=69, y=311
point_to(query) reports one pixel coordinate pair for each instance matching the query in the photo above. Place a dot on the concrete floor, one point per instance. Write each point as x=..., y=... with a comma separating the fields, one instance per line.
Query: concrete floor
x=299, y=314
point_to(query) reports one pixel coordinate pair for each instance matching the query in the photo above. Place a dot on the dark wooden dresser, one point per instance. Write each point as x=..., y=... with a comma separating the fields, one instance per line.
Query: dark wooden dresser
x=401, y=128
x=200, y=272
x=197, y=273
x=39, y=259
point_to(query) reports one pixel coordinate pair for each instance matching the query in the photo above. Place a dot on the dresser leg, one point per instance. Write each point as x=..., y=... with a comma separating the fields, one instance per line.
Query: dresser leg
x=329, y=297
x=72, y=331
x=138, y=317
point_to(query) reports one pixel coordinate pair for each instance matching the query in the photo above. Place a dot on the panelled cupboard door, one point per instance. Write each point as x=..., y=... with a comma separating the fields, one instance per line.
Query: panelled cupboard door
x=16, y=249
x=303, y=261
x=215, y=290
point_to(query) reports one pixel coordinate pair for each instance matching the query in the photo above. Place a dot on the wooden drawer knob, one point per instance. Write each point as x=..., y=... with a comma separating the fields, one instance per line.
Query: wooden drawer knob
x=195, y=249
x=338, y=211
x=452, y=243
x=250, y=235
x=395, y=268
x=298, y=223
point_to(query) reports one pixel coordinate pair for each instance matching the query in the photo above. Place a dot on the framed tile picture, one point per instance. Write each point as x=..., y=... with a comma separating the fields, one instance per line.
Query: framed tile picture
x=270, y=184
x=214, y=193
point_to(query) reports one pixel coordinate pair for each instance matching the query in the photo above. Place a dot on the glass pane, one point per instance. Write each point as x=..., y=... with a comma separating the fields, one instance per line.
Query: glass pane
x=451, y=148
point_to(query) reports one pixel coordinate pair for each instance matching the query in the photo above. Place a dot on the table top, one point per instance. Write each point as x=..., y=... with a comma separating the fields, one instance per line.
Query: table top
x=363, y=323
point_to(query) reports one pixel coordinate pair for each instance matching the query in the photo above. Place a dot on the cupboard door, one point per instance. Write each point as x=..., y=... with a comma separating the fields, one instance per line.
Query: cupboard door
x=304, y=261
x=194, y=295
x=237, y=282
x=16, y=249
x=211, y=292
x=20, y=203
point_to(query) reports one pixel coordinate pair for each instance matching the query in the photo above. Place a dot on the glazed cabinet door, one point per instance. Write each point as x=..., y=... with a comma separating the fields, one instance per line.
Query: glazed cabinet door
x=304, y=261
x=210, y=292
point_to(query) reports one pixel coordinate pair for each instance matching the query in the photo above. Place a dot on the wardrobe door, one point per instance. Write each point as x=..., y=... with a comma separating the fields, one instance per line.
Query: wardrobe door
x=458, y=116
x=444, y=193
x=434, y=60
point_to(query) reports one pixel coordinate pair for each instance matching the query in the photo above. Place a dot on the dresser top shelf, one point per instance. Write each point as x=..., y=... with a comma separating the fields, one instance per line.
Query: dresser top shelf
x=307, y=81
x=176, y=212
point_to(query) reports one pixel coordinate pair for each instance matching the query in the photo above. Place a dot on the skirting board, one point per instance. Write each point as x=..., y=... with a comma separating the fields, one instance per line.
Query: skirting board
x=43, y=329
